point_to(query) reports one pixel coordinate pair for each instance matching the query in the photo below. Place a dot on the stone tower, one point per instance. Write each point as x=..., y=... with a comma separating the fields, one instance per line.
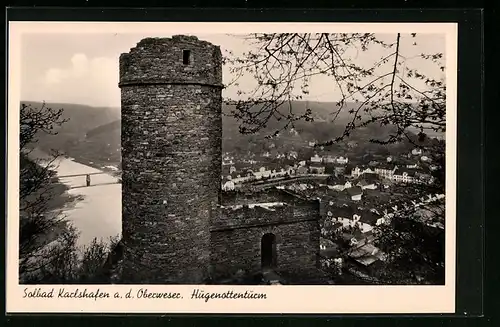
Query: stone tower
x=171, y=157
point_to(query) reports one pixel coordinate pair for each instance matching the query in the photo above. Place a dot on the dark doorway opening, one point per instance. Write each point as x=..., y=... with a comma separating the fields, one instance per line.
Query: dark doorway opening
x=268, y=251
x=186, y=57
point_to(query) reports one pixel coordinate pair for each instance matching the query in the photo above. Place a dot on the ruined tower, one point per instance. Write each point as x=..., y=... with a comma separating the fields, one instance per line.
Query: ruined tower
x=171, y=157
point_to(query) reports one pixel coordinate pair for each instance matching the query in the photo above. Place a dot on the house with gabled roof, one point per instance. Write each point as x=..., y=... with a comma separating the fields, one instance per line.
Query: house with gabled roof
x=228, y=185
x=404, y=175
x=348, y=216
x=361, y=170
x=385, y=170
x=354, y=192
x=338, y=182
x=367, y=256
x=368, y=181
x=316, y=159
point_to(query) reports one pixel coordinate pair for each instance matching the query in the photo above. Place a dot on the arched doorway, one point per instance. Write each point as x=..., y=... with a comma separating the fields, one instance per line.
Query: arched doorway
x=268, y=250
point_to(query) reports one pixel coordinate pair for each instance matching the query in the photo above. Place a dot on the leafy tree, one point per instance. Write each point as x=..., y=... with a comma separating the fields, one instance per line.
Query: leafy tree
x=388, y=93
x=284, y=64
x=37, y=220
x=48, y=251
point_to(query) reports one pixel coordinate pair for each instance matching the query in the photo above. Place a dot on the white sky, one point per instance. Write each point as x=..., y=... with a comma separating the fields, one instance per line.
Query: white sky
x=83, y=68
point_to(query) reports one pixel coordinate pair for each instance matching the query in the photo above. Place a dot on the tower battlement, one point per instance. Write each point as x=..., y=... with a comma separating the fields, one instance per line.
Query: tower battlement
x=177, y=60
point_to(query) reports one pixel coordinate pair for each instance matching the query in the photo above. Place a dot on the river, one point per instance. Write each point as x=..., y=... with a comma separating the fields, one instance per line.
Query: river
x=98, y=213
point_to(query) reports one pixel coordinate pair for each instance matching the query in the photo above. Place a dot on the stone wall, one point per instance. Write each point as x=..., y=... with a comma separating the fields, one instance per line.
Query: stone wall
x=269, y=194
x=171, y=159
x=236, y=234
x=245, y=216
x=160, y=60
x=297, y=248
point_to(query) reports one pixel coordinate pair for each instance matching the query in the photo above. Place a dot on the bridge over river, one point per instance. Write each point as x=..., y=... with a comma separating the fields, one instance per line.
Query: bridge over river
x=97, y=212
x=90, y=179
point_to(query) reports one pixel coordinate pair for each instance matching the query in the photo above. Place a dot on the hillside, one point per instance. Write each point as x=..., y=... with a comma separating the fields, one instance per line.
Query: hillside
x=103, y=129
x=320, y=130
x=71, y=136
x=92, y=134
x=81, y=118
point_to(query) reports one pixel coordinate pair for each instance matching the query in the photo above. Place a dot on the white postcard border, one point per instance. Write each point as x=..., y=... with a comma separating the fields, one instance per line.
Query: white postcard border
x=280, y=299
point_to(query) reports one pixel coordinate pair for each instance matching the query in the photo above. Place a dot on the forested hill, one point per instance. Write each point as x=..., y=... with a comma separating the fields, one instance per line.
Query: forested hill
x=104, y=129
x=71, y=137
x=80, y=120
x=94, y=132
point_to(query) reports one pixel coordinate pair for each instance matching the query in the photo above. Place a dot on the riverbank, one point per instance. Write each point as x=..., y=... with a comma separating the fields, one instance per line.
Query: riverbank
x=100, y=165
x=93, y=157
x=93, y=211
x=42, y=221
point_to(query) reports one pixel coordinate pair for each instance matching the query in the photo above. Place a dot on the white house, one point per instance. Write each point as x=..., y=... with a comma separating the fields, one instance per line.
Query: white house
x=342, y=160
x=340, y=187
x=357, y=171
x=368, y=171
x=363, y=219
x=385, y=171
x=337, y=182
x=228, y=186
x=404, y=175
x=262, y=173
x=316, y=159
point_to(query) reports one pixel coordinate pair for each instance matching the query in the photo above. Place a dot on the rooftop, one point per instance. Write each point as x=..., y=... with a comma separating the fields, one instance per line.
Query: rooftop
x=352, y=191
x=266, y=205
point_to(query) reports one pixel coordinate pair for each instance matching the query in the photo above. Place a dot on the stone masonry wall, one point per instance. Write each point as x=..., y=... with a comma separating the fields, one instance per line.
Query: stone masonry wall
x=159, y=60
x=171, y=159
x=236, y=234
x=270, y=194
x=297, y=248
x=249, y=217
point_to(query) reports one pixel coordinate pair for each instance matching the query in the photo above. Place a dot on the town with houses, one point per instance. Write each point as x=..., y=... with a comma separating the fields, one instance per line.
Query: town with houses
x=356, y=195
